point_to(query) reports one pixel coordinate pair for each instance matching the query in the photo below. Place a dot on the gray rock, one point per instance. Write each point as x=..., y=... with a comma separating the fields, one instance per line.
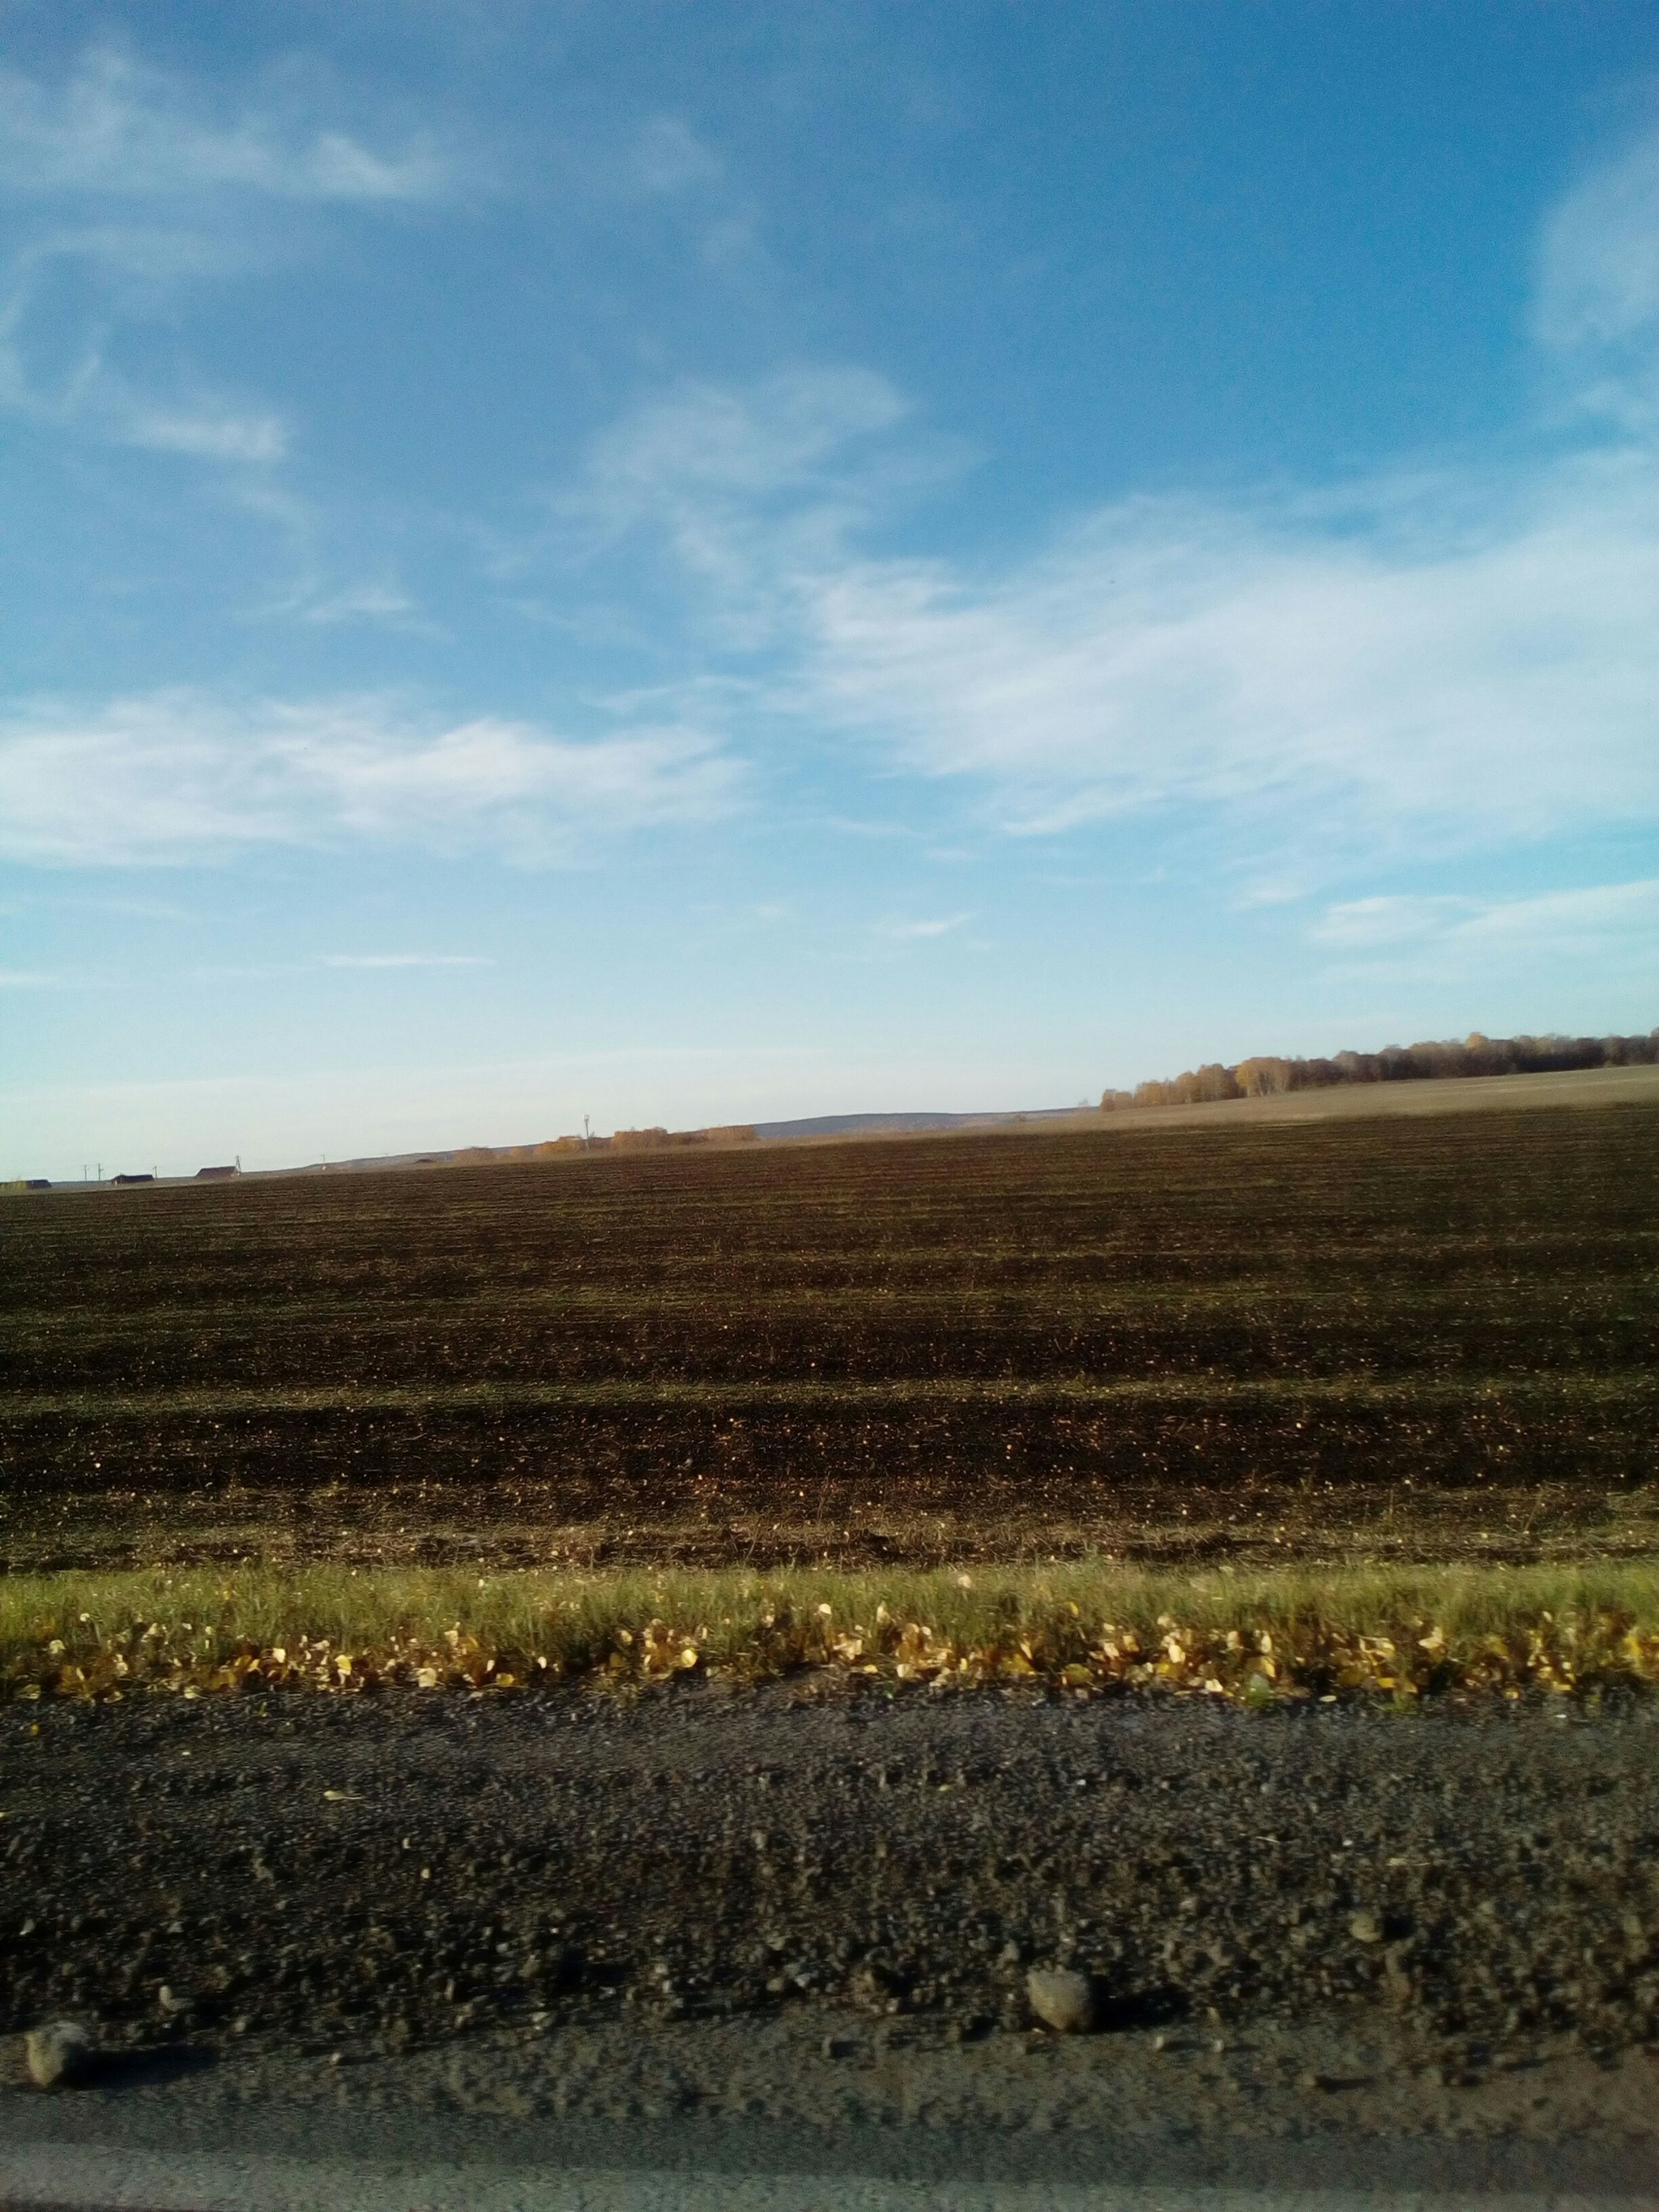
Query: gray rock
x=60, y=2054
x=1061, y=1999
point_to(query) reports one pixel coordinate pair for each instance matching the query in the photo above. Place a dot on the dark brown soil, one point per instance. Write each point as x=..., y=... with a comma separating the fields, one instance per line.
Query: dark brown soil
x=1425, y=1335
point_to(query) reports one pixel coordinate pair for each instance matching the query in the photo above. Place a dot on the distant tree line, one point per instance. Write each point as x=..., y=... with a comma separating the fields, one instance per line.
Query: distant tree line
x=659, y=1139
x=625, y=1140
x=1268, y=1075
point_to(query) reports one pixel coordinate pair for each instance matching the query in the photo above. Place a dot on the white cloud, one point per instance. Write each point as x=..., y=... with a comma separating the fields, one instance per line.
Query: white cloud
x=742, y=485
x=1599, y=257
x=176, y=776
x=909, y=931
x=211, y=432
x=368, y=601
x=1563, y=918
x=85, y=390
x=128, y=183
x=405, y=960
x=1430, y=657
x=119, y=129
x=1450, y=655
x=1434, y=656
x=1360, y=924
x=1572, y=921
x=666, y=156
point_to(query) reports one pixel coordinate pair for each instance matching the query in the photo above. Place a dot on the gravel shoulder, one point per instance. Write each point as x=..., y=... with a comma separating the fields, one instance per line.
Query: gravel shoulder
x=805, y=1910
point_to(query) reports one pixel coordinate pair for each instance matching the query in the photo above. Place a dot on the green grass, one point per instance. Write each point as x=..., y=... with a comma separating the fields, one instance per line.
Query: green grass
x=1086, y=1626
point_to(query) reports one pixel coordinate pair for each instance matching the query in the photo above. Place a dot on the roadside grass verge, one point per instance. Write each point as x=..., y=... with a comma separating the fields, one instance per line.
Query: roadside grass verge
x=1087, y=1626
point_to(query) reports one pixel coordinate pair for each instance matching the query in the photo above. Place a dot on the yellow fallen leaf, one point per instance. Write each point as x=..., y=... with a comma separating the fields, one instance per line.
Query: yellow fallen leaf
x=340, y=1797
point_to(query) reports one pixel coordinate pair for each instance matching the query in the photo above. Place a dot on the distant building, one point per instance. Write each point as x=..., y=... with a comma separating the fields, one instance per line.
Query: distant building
x=218, y=1174
x=138, y=1178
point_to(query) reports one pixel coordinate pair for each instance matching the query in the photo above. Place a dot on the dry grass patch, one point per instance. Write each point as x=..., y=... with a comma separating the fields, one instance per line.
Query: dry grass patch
x=1087, y=1626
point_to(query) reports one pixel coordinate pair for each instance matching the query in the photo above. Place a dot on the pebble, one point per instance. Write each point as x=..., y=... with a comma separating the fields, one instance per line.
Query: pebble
x=59, y=2055
x=1061, y=1999
x=1365, y=1927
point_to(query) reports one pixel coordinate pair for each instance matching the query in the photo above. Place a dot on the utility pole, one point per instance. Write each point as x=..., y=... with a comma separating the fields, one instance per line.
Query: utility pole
x=587, y=1138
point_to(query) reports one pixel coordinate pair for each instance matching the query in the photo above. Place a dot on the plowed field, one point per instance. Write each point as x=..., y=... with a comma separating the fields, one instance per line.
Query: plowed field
x=1430, y=1335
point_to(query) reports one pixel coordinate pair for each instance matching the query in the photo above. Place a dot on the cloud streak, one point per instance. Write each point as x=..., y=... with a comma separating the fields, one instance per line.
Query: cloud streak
x=1433, y=657
x=126, y=184
x=405, y=960
x=1598, y=280
x=1414, y=658
x=114, y=128
x=1571, y=921
x=915, y=932
x=177, y=776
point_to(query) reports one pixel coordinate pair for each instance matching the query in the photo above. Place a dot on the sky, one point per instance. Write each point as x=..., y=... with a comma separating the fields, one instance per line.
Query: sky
x=705, y=562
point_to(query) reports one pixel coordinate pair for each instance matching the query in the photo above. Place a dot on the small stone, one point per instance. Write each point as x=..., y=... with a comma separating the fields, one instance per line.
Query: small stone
x=60, y=2055
x=1061, y=1999
x=1365, y=1927
x=1397, y=1966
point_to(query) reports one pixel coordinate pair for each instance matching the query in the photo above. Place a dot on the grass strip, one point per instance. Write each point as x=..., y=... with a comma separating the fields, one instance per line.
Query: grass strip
x=1089, y=1627
x=1618, y=1385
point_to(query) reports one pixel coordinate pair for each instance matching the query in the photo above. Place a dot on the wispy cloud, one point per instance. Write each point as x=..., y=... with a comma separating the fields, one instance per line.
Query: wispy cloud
x=1430, y=658
x=1399, y=659
x=903, y=931
x=405, y=960
x=1570, y=922
x=56, y=364
x=211, y=432
x=178, y=776
x=1598, y=280
x=663, y=158
x=1596, y=311
x=126, y=186
x=115, y=128
x=1413, y=657
x=362, y=602
x=741, y=486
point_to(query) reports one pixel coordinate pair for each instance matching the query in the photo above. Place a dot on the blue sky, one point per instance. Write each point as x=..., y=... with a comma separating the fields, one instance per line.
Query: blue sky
x=688, y=563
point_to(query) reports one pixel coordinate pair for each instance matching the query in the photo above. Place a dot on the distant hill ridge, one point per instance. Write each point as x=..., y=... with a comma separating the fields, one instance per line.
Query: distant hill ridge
x=1264, y=1076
